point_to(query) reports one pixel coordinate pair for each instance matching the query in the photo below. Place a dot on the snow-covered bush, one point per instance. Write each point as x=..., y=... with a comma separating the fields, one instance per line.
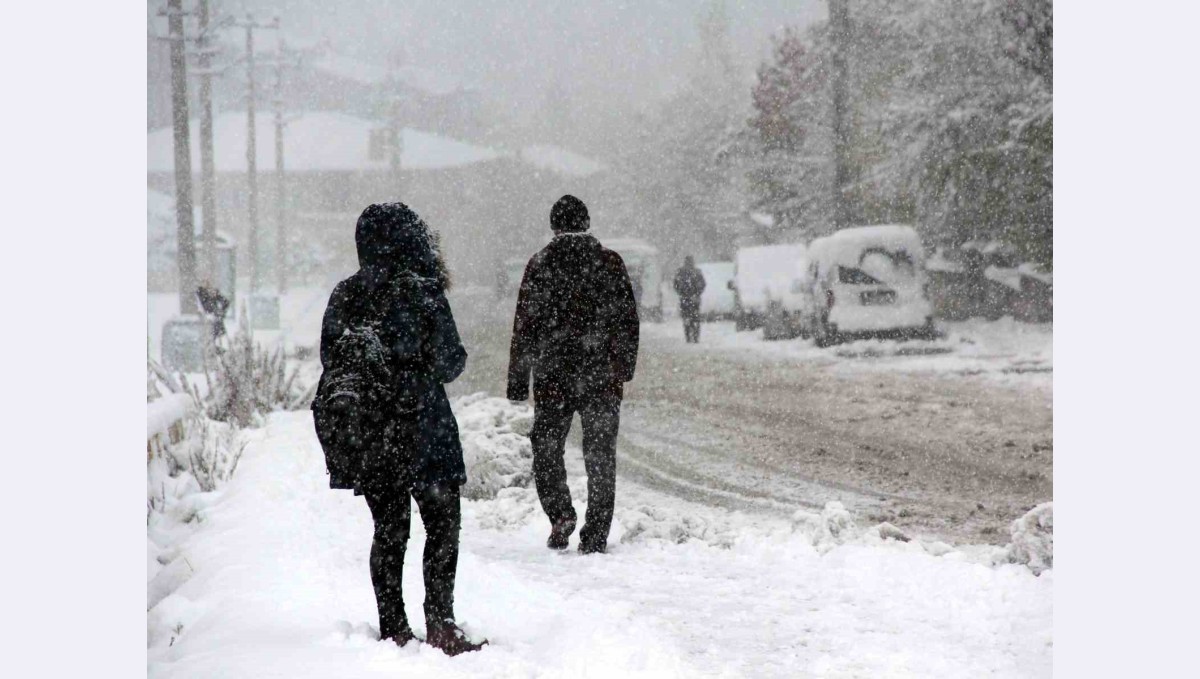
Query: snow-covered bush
x=496, y=448
x=511, y=508
x=247, y=381
x=1033, y=538
x=654, y=523
x=832, y=527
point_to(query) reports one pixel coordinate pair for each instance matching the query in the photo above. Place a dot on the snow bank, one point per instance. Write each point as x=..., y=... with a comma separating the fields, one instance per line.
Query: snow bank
x=1033, y=538
x=1004, y=350
x=832, y=527
x=163, y=412
x=495, y=442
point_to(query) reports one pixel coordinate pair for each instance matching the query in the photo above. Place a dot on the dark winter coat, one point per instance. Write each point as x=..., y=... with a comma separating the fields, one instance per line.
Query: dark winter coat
x=689, y=285
x=576, y=325
x=400, y=292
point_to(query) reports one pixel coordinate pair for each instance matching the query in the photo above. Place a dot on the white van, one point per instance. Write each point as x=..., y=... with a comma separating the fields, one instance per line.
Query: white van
x=868, y=280
x=716, y=301
x=763, y=277
x=645, y=272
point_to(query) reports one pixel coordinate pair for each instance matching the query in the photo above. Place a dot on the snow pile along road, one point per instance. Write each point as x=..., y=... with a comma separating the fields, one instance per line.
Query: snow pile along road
x=268, y=578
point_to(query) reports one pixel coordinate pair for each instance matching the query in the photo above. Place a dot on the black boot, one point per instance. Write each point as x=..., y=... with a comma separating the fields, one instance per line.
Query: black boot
x=560, y=534
x=402, y=637
x=592, y=547
x=448, y=637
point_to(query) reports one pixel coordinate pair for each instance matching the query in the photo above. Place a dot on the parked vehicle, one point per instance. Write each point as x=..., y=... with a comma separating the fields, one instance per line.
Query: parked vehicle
x=645, y=272
x=763, y=279
x=717, y=300
x=868, y=281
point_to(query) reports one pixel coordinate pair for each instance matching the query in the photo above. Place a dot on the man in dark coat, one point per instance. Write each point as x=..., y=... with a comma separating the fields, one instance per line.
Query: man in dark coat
x=689, y=284
x=576, y=333
x=409, y=436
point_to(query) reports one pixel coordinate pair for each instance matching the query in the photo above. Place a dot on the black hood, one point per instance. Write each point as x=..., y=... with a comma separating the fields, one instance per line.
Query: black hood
x=569, y=215
x=391, y=237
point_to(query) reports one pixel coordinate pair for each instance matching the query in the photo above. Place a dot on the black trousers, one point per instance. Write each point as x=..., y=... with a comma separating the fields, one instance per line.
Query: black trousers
x=441, y=514
x=600, y=415
x=690, y=312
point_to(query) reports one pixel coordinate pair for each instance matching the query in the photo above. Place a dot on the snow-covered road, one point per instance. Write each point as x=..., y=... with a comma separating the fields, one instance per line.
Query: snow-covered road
x=269, y=578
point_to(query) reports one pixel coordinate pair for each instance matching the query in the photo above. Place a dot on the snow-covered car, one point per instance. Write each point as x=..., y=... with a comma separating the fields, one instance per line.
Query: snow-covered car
x=868, y=280
x=645, y=272
x=717, y=300
x=763, y=280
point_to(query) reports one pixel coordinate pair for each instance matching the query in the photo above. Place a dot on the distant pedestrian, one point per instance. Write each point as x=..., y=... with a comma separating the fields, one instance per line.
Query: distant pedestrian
x=576, y=332
x=388, y=344
x=689, y=285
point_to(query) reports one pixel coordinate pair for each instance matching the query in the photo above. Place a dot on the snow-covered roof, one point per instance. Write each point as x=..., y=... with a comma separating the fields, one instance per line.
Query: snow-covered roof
x=313, y=141
x=845, y=247
x=559, y=160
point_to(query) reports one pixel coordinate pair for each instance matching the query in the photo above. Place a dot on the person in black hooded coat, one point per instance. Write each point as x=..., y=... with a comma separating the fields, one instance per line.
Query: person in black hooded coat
x=575, y=332
x=409, y=444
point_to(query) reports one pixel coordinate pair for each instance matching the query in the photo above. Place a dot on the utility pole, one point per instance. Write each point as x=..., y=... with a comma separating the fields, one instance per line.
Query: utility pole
x=839, y=25
x=281, y=262
x=208, y=196
x=251, y=145
x=186, y=234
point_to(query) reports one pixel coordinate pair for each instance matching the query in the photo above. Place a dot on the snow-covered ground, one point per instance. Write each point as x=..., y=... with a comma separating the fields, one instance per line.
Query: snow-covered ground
x=1003, y=350
x=268, y=577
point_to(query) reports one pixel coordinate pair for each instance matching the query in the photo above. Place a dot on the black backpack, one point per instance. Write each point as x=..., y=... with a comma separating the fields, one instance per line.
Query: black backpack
x=350, y=406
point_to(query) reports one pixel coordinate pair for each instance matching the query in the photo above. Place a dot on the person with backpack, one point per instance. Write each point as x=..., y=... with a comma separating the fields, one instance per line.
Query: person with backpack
x=576, y=333
x=388, y=344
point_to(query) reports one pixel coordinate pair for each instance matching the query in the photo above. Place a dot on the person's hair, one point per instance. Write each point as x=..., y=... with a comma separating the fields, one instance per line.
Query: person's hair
x=394, y=237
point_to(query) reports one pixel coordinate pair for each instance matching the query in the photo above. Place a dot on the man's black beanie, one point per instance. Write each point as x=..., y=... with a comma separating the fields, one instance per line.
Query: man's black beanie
x=569, y=215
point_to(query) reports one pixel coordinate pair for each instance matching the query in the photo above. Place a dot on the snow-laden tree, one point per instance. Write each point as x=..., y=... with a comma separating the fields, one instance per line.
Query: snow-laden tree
x=950, y=121
x=788, y=141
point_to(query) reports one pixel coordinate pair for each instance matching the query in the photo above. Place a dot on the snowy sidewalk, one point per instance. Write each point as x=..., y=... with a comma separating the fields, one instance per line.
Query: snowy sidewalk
x=271, y=580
